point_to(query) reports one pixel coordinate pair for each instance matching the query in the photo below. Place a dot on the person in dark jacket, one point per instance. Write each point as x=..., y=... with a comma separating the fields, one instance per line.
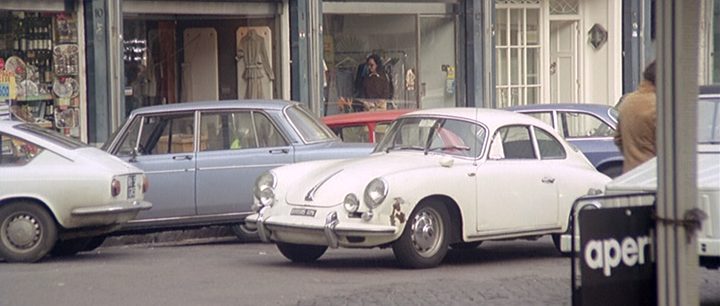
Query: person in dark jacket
x=635, y=136
x=376, y=84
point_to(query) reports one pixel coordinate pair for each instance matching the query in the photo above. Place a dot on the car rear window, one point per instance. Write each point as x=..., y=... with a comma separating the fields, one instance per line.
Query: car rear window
x=52, y=136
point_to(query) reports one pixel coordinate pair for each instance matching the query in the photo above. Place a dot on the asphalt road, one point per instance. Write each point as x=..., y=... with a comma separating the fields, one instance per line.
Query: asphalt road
x=223, y=272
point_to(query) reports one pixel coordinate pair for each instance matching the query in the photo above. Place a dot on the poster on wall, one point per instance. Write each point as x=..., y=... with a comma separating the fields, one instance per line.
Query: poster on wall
x=254, y=63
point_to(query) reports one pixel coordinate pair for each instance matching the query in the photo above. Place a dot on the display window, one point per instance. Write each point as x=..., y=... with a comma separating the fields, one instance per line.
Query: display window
x=40, y=68
x=389, y=61
x=172, y=59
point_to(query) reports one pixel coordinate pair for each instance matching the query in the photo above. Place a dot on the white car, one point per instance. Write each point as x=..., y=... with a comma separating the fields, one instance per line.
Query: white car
x=644, y=177
x=59, y=195
x=441, y=177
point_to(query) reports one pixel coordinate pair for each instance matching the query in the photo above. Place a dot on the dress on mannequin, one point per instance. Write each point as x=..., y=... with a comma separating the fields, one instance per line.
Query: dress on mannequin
x=257, y=64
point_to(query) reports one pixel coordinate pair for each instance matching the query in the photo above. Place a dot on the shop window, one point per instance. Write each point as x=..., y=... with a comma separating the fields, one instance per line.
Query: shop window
x=16, y=152
x=40, y=68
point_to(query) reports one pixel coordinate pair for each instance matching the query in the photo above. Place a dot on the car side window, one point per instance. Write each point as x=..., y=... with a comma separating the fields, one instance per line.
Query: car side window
x=228, y=131
x=267, y=133
x=354, y=133
x=380, y=130
x=16, y=152
x=542, y=116
x=131, y=137
x=550, y=147
x=514, y=142
x=168, y=134
x=582, y=125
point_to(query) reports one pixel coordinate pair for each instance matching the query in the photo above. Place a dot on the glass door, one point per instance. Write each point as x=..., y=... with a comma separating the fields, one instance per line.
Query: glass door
x=437, y=61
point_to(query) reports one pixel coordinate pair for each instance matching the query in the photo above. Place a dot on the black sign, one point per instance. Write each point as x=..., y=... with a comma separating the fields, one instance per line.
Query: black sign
x=617, y=256
x=307, y=212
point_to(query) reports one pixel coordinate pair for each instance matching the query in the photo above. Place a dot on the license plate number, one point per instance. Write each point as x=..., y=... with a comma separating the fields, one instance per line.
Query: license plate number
x=131, y=187
x=306, y=212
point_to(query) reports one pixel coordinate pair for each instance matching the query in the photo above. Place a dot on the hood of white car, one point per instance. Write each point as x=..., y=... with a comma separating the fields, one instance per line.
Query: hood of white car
x=102, y=159
x=329, y=183
x=644, y=177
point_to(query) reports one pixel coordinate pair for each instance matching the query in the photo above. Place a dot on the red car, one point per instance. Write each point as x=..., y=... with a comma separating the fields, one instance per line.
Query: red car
x=363, y=126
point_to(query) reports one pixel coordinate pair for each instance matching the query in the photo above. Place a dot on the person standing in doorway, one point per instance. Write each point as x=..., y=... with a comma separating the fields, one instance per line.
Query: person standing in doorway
x=635, y=136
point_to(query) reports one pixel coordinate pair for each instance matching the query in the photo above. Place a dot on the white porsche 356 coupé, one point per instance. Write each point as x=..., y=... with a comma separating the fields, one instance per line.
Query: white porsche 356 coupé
x=441, y=177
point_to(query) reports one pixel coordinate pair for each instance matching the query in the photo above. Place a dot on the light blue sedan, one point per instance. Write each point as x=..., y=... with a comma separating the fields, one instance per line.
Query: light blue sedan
x=203, y=158
x=589, y=127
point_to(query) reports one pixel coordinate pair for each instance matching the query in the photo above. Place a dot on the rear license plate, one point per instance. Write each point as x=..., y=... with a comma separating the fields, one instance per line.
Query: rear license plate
x=307, y=212
x=131, y=187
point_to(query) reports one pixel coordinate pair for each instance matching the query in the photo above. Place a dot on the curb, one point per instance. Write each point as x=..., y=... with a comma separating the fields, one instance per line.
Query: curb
x=170, y=236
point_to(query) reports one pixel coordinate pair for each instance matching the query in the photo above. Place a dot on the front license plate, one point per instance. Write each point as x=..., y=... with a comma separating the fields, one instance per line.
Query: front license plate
x=307, y=212
x=131, y=187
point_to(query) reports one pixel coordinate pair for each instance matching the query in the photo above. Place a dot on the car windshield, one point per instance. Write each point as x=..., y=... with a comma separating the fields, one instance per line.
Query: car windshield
x=309, y=127
x=449, y=136
x=709, y=121
x=52, y=136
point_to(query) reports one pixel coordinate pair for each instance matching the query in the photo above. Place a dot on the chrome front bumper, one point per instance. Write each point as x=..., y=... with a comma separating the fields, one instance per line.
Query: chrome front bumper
x=331, y=229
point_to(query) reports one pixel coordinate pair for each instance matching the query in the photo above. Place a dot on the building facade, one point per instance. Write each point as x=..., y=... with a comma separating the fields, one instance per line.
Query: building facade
x=80, y=66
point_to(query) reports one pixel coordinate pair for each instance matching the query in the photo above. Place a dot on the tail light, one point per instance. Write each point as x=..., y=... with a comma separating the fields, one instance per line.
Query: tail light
x=146, y=184
x=115, y=188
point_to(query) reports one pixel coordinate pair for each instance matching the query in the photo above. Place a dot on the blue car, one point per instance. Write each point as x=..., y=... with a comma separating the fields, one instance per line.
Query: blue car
x=590, y=127
x=202, y=158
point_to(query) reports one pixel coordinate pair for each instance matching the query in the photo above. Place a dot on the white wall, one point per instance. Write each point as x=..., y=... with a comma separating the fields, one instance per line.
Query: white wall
x=601, y=71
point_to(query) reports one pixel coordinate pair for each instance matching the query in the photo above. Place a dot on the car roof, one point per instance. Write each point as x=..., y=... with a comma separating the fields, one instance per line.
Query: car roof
x=224, y=104
x=591, y=107
x=362, y=117
x=491, y=117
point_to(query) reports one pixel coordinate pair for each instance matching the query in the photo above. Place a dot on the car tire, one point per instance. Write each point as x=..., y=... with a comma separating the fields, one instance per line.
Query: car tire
x=612, y=171
x=465, y=245
x=424, y=241
x=244, y=234
x=301, y=252
x=27, y=232
x=69, y=247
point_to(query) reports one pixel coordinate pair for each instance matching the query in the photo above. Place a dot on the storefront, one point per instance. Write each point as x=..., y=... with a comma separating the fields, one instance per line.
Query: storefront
x=417, y=46
x=183, y=51
x=42, y=67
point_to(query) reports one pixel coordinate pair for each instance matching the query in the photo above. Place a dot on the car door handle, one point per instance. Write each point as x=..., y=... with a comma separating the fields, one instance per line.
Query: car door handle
x=279, y=151
x=182, y=157
x=548, y=180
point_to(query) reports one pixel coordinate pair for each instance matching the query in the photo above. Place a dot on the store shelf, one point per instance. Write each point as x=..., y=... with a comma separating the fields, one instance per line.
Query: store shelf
x=35, y=98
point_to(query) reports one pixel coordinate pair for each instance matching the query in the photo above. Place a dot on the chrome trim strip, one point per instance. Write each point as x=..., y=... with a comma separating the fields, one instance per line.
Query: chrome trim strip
x=311, y=194
x=528, y=232
x=321, y=229
x=239, y=167
x=170, y=171
x=111, y=209
x=241, y=214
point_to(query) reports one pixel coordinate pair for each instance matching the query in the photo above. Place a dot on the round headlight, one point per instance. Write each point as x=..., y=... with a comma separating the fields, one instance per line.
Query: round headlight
x=267, y=197
x=265, y=189
x=375, y=192
x=351, y=203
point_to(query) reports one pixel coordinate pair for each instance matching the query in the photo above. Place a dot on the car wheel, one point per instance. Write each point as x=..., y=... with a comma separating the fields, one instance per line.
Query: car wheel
x=27, y=232
x=301, y=252
x=245, y=234
x=612, y=171
x=424, y=241
x=465, y=245
x=69, y=247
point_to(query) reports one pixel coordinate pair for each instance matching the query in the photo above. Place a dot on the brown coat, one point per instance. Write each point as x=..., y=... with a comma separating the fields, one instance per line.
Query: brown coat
x=635, y=135
x=376, y=86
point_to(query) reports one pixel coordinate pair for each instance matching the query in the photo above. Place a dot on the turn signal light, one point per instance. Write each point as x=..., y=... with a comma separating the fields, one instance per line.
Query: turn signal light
x=115, y=188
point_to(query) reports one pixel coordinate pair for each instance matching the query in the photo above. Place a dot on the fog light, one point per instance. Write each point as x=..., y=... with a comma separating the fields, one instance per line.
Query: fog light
x=366, y=216
x=351, y=203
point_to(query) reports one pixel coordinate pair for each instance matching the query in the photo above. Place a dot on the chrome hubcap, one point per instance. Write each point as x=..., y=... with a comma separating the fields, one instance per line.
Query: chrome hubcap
x=22, y=231
x=427, y=232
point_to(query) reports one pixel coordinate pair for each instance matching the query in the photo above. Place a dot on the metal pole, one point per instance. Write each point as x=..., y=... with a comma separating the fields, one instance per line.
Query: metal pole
x=677, y=64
